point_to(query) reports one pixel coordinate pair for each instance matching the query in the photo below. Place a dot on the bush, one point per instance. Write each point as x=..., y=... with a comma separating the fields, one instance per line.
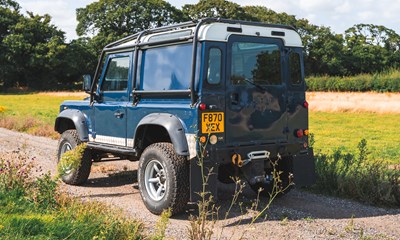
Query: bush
x=383, y=82
x=15, y=175
x=357, y=176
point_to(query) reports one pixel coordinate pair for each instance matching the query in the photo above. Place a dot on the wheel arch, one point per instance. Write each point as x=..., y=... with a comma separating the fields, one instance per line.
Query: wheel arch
x=72, y=119
x=162, y=123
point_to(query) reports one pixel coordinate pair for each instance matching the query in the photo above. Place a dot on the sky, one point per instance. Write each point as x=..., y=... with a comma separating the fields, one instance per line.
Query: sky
x=339, y=15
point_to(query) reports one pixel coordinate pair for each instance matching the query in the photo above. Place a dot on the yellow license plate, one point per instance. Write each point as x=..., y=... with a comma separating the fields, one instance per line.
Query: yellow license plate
x=212, y=122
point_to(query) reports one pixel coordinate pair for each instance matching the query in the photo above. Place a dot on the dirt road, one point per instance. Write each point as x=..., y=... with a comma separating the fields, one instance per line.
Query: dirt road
x=297, y=215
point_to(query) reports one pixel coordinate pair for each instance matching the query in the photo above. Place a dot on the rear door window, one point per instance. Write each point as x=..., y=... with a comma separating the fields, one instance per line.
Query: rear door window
x=259, y=63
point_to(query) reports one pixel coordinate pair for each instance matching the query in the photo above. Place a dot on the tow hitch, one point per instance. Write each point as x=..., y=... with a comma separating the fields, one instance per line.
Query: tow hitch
x=253, y=170
x=237, y=159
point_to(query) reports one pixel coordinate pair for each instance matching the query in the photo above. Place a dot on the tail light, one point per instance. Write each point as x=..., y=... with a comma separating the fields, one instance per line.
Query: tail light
x=299, y=133
x=305, y=104
x=202, y=106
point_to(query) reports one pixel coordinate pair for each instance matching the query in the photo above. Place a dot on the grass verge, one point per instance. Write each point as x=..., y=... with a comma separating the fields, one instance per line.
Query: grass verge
x=358, y=176
x=33, y=208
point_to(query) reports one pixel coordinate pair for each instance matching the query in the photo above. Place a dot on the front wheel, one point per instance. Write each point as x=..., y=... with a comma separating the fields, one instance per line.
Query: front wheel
x=163, y=179
x=68, y=141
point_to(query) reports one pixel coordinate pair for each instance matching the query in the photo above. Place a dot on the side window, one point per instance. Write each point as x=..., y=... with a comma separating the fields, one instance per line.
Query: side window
x=116, y=77
x=214, y=66
x=295, y=68
x=166, y=68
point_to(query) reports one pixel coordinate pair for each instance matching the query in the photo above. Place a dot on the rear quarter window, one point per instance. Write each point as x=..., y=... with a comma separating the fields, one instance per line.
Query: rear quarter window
x=166, y=68
x=295, y=68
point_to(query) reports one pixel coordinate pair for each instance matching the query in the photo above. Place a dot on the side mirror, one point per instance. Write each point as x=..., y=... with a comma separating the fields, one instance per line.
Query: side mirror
x=87, y=83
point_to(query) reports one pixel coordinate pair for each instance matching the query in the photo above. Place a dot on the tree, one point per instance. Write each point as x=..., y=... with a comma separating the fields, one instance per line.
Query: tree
x=371, y=48
x=110, y=20
x=78, y=59
x=32, y=50
x=215, y=8
x=325, y=53
x=10, y=15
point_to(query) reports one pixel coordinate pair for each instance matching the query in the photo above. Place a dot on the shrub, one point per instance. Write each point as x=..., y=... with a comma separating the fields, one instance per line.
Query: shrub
x=357, y=176
x=382, y=82
x=15, y=174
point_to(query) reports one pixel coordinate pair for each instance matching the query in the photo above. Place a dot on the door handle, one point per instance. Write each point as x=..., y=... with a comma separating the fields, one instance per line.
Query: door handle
x=234, y=98
x=119, y=114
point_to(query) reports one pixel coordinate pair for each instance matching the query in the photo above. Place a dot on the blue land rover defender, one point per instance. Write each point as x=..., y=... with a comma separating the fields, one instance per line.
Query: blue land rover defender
x=235, y=87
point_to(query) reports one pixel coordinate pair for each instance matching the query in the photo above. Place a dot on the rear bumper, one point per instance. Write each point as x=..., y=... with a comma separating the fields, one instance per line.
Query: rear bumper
x=224, y=155
x=300, y=162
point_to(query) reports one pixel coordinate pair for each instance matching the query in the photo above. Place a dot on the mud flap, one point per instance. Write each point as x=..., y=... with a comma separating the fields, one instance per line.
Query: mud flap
x=196, y=183
x=304, y=169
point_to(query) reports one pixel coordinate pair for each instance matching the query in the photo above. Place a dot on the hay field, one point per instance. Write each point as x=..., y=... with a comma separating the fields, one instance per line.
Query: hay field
x=353, y=102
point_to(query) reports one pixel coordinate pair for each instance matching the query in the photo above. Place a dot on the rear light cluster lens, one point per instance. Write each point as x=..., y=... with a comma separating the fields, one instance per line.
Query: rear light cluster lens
x=300, y=133
x=203, y=139
x=305, y=104
x=202, y=106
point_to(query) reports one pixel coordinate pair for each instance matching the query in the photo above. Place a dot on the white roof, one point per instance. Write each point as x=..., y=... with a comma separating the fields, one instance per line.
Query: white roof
x=218, y=31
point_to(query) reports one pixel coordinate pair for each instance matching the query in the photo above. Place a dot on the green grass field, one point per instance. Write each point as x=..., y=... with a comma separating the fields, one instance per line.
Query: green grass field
x=345, y=131
x=331, y=130
x=44, y=107
x=33, y=113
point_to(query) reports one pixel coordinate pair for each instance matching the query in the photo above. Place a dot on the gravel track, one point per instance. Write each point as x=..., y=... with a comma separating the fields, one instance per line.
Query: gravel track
x=297, y=215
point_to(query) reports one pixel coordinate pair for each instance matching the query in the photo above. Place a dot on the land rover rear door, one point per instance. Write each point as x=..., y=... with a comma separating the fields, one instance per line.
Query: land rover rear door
x=255, y=91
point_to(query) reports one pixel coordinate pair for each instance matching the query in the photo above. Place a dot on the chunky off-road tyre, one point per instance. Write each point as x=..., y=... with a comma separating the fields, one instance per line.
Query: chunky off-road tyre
x=163, y=179
x=68, y=141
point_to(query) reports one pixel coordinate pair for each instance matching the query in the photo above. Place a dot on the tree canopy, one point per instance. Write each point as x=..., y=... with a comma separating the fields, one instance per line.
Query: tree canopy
x=110, y=20
x=34, y=52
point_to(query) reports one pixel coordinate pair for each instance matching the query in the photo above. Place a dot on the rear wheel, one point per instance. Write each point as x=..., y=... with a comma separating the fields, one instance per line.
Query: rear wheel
x=68, y=141
x=163, y=178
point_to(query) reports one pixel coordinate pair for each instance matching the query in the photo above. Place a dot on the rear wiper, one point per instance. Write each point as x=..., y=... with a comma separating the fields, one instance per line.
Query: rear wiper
x=255, y=84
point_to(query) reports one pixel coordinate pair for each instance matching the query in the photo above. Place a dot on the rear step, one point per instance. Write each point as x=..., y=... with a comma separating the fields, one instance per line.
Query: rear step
x=113, y=149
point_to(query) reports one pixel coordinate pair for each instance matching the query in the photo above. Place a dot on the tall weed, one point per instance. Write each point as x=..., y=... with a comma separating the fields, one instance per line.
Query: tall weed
x=15, y=174
x=203, y=225
x=358, y=177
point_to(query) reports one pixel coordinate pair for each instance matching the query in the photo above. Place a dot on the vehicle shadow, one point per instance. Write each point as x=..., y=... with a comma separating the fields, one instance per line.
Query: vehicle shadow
x=115, y=179
x=300, y=204
x=295, y=205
